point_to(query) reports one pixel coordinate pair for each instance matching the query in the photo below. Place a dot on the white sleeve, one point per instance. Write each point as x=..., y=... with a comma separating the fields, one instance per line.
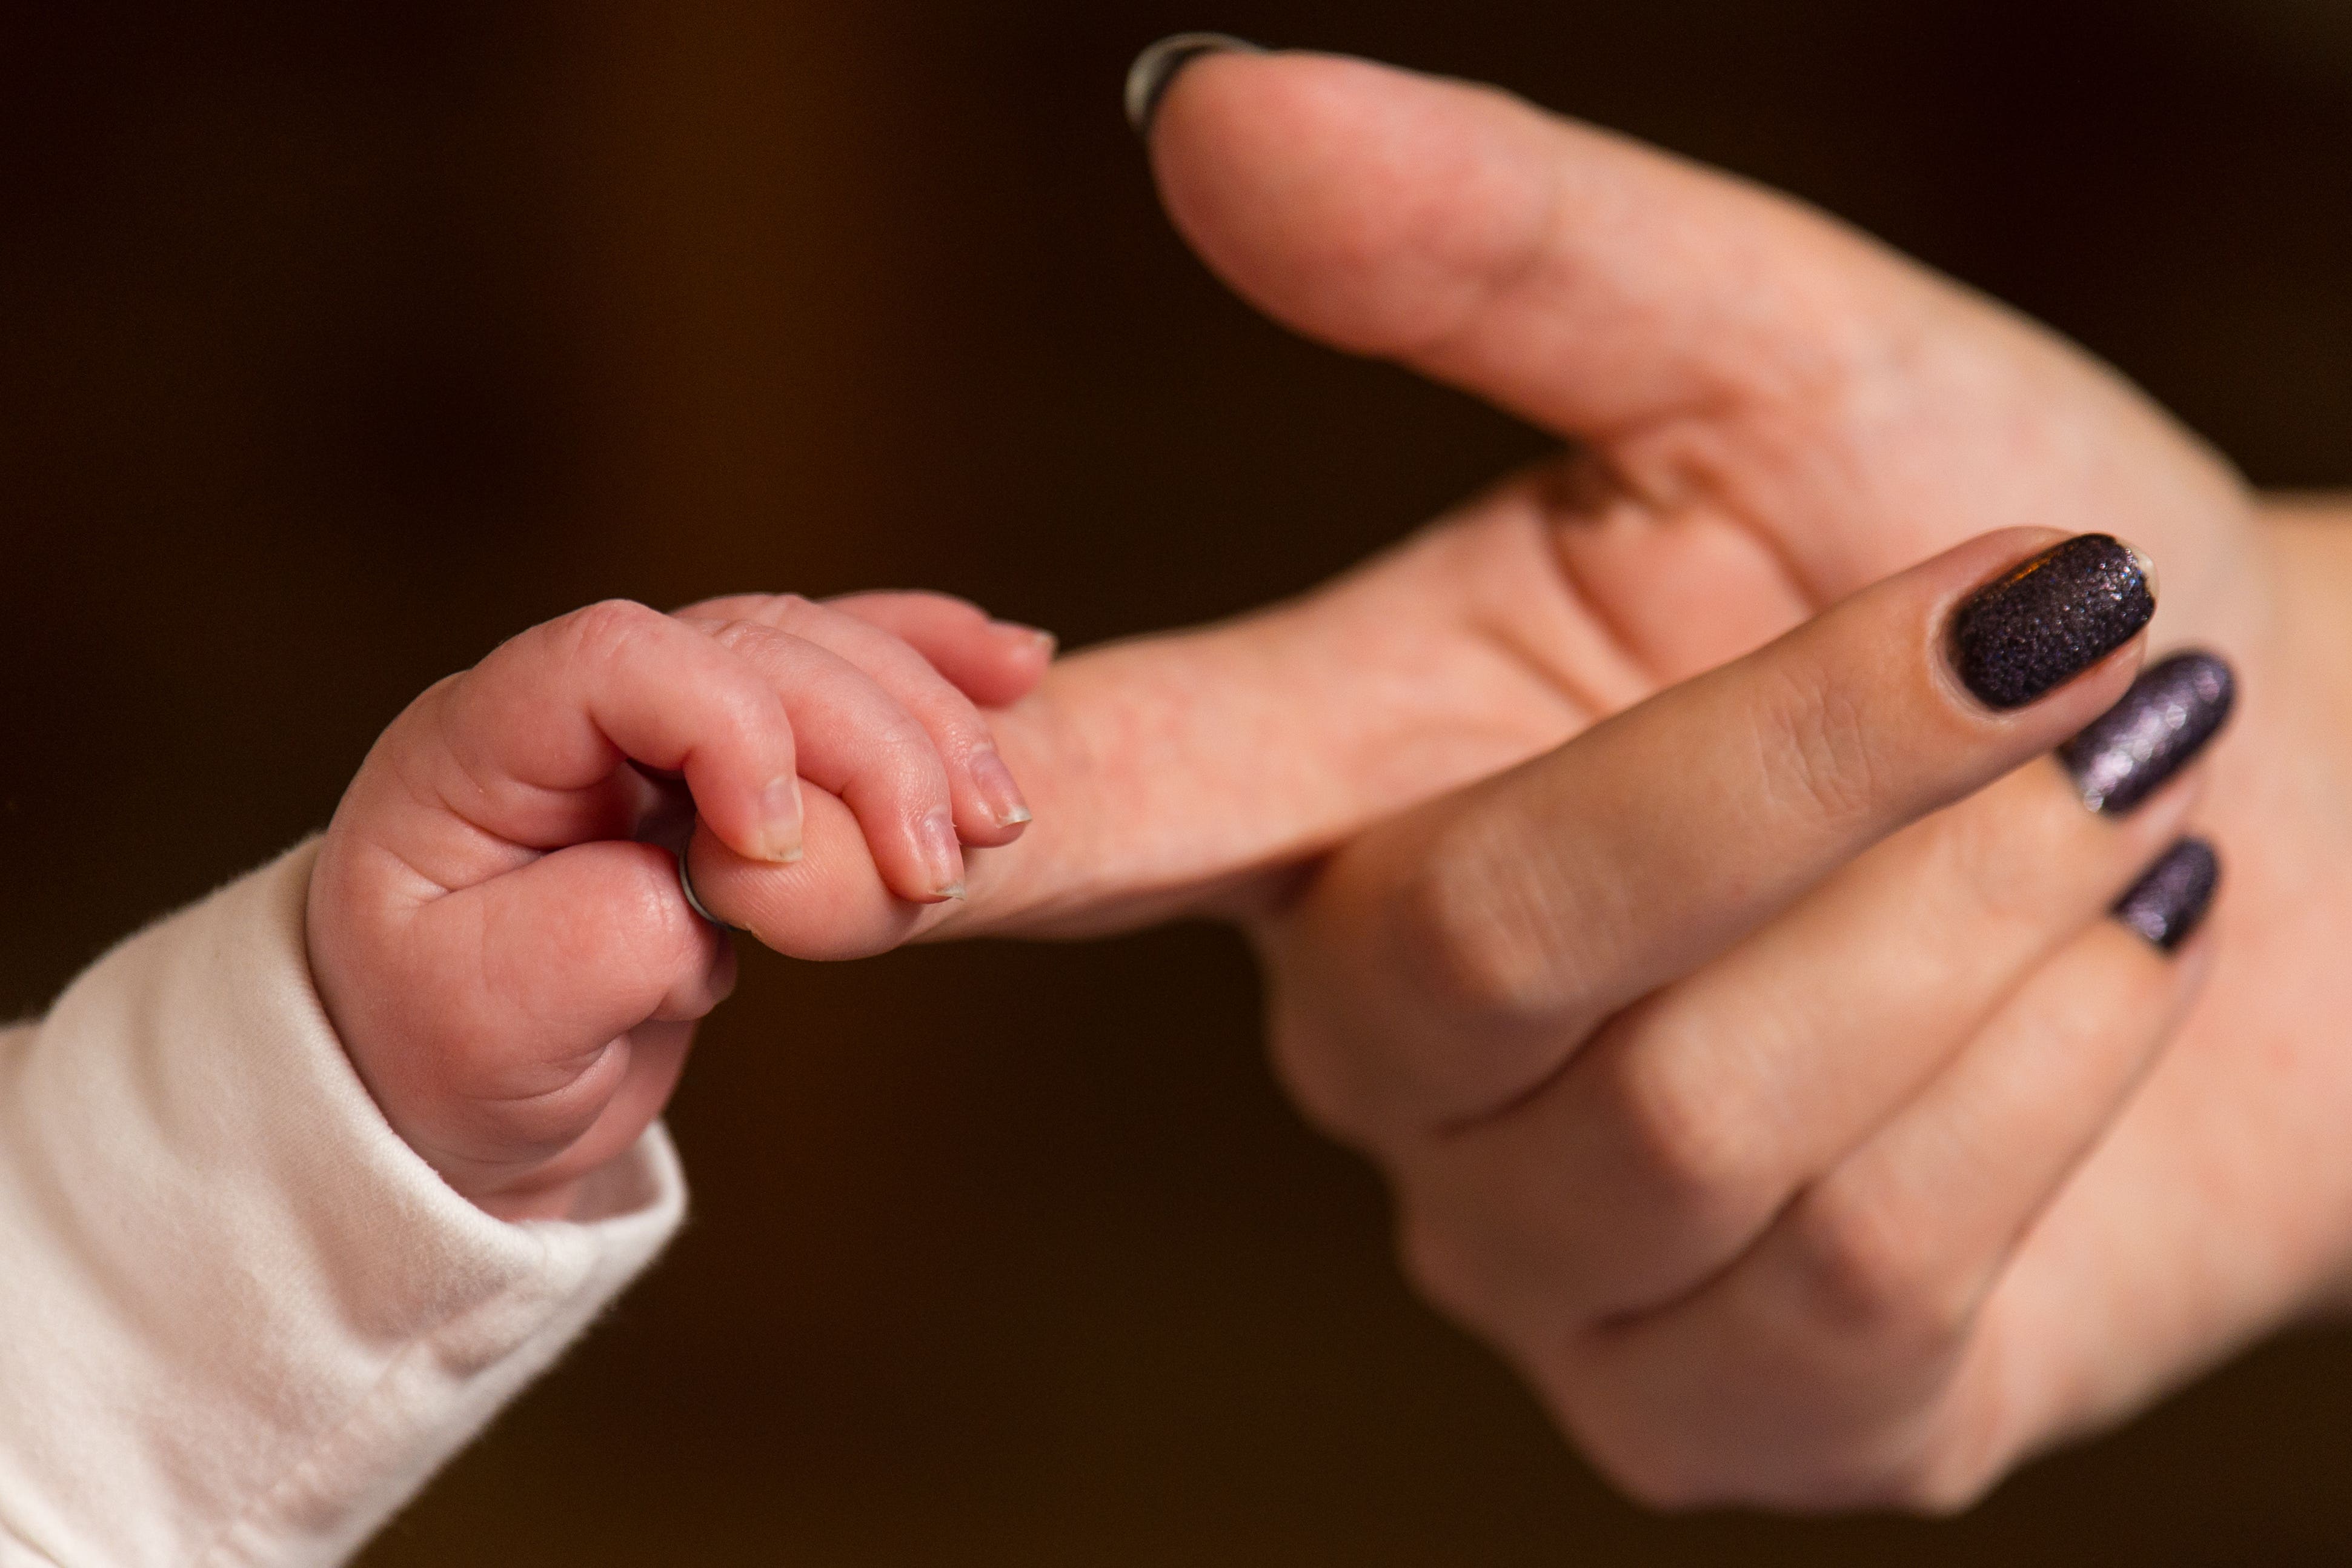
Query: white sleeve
x=240, y=1320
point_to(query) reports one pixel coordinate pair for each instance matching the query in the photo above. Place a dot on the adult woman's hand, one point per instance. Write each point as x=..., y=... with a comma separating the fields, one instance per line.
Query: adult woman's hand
x=1775, y=413
x=1719, y=1104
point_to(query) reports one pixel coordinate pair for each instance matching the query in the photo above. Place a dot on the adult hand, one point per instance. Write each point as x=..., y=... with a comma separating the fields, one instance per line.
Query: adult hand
x=1809, y=1262
x=1774, y=413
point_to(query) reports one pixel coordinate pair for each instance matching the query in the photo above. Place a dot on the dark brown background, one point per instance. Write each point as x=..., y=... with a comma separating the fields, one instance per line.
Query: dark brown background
x=337, y=347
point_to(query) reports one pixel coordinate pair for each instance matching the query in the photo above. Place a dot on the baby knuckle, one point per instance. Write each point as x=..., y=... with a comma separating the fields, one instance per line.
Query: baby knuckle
x=746, y=637
x=785, y=615
x=608, y=630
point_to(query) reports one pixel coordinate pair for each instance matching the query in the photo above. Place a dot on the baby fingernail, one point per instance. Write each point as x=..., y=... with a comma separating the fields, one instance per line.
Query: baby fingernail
x=935, y=835
x=1149, y=77
x=2169, y=902
x=1000, y=797
x=2165, y=717
x=780, y=812
x=1038, y=635
x=2050, y=617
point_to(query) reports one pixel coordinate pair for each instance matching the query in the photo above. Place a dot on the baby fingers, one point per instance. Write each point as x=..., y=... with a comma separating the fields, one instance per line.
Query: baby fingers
x=936, y=658
x=993, y=662
x=525, y=748
x=859, y=741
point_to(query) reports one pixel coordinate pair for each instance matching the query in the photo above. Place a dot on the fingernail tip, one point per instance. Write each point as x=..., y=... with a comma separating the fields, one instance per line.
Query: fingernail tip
x=1147, y=79
x=2172, y=897
x=2049, y=618
x=2215, y=672
x=999, y=795
x=2145, y=564
x=2172, y=709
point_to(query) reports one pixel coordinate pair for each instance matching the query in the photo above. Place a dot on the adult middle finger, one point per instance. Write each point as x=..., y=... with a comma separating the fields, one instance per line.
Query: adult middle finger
x=1690, y=1122
x=1452, y=960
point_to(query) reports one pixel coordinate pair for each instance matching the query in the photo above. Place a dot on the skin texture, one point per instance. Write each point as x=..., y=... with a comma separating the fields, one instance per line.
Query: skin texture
x=516, y=978
x=1728, y=998
x=1802, y=1319
x=1869, y=1332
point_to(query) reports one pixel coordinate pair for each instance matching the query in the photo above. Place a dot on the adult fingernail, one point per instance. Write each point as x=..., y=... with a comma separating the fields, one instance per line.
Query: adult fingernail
x=943, y=857
x=2170, y=902
x=1000, y=797
x=780, y=814
x=2050, y=617
x=1149, y=77
x=2165, y=717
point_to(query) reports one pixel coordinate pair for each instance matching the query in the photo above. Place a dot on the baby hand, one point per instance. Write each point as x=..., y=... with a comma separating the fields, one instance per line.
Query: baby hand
x=514, y=974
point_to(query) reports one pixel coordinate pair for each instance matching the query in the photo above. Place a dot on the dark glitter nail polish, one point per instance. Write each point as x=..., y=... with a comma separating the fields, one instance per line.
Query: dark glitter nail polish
x=2170, y=902
x=1149, y=77
x=2047, y=620
x=2165, y=717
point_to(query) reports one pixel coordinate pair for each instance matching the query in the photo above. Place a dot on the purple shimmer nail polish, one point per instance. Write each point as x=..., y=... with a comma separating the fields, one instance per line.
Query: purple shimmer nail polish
x=2165, y=717
x=2049, y=618
x=2169, y=902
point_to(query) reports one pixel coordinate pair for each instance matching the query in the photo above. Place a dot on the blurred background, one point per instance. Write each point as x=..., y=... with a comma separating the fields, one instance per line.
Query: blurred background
x=341, y=341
